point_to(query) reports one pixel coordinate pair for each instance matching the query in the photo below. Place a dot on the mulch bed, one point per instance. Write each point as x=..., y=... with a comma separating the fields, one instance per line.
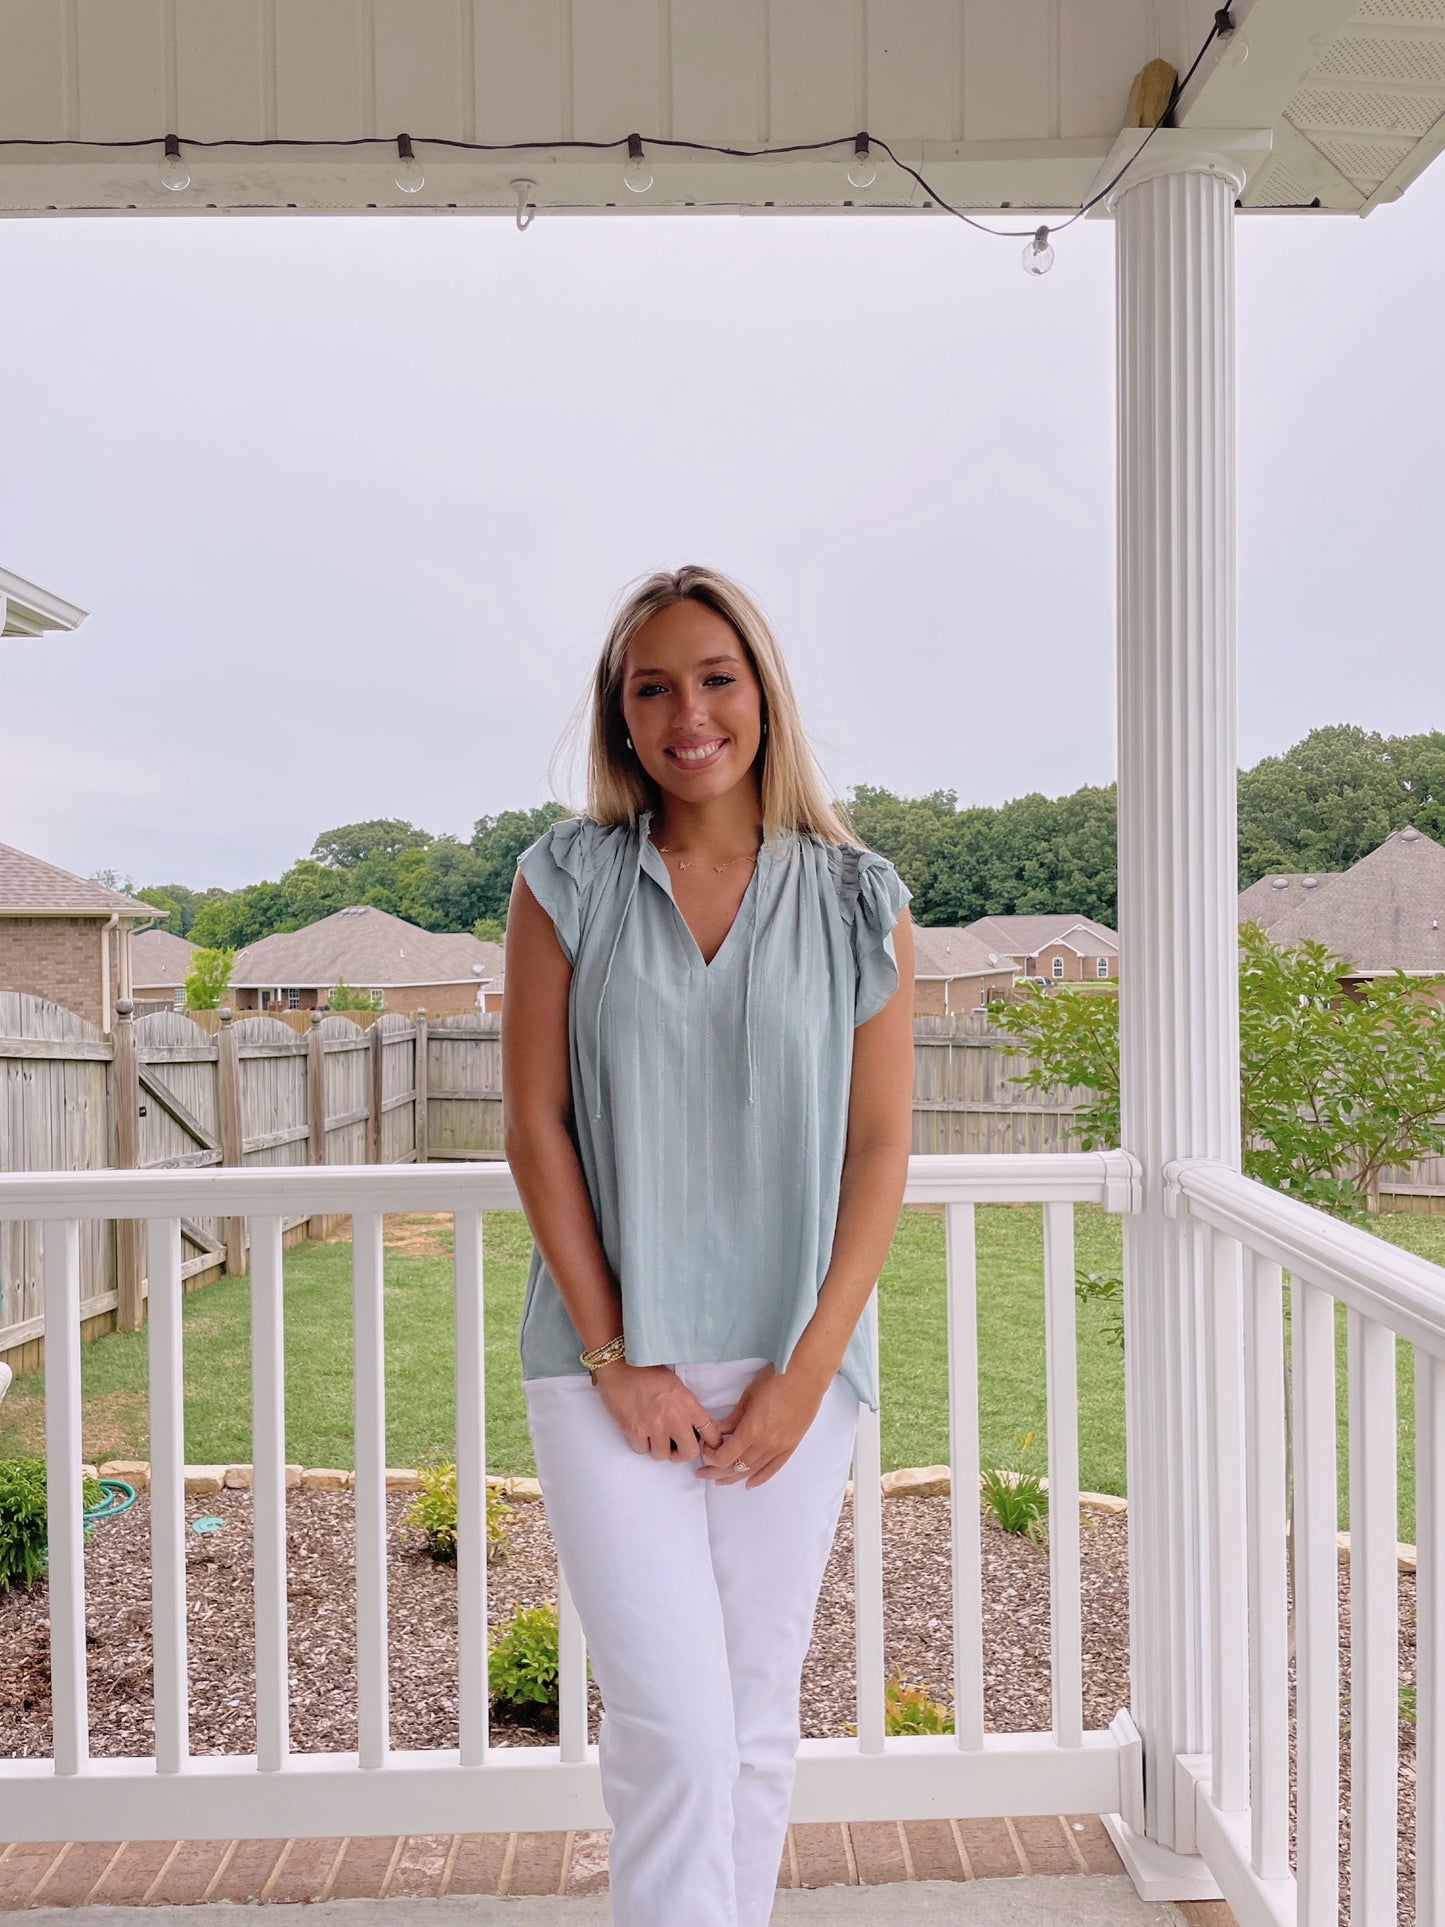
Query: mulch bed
x=918, y=1632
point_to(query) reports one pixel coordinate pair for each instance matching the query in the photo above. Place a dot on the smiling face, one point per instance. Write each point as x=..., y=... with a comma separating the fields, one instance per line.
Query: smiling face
x=692, y=702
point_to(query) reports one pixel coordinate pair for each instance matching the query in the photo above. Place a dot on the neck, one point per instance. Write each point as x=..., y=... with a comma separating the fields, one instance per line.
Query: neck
x=718, y=827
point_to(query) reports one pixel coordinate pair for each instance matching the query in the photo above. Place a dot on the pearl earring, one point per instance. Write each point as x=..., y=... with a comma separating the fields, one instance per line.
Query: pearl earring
x=629, y=742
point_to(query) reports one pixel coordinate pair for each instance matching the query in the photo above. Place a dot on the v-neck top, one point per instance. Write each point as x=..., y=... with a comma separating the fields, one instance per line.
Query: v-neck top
x=710, y=1100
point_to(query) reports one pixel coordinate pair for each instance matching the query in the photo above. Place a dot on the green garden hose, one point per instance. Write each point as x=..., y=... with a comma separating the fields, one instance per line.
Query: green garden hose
x=116, y=1497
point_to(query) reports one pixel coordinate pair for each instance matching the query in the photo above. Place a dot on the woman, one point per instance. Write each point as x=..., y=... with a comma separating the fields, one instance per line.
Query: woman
x=708, y=1081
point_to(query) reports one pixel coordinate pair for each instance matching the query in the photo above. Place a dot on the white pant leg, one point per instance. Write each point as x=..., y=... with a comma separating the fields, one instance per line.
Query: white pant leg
x=770, y=1548
x=632, y=1538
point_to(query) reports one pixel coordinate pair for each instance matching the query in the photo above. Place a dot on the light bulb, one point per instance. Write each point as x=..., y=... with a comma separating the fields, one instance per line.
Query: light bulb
x=861, y=170
x=1235, y=50
x=637, y=175
x=1038, y=255
x=409, y=176
x=174, y=173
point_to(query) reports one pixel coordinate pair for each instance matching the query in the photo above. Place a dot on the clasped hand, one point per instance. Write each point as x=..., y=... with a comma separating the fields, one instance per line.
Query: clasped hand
x=663, y=1416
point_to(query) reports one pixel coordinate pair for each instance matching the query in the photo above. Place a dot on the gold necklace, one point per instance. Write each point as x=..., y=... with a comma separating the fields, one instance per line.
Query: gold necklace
x=719, y=867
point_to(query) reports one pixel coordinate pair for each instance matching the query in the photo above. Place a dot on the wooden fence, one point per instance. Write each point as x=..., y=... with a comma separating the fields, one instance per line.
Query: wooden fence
x=166, y=1091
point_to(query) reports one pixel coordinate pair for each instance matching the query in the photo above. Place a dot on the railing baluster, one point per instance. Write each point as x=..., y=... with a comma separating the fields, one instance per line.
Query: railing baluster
x=167, y=1492
x=1429, y=1640
x=1228, y=1616
x=369, y=1406
x=1268, y=1558
x=1062, y=1370
x=1317, y=1620
x=1374, y=1621
x=268, y=1480
x=571, y=1676
x=961, y=1271
x=868, y=1564
x=472, y=1679
x=65, y=1500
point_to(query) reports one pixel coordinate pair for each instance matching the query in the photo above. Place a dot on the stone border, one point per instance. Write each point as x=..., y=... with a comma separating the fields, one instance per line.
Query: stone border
x=908, y=1482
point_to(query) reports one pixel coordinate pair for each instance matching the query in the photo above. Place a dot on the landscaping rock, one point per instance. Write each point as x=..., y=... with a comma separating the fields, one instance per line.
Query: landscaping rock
x=136, y=1472
x=917, y=1482
x=402, y=1478
x=326, y=1478
x=238, y=1478
x=206, y=1478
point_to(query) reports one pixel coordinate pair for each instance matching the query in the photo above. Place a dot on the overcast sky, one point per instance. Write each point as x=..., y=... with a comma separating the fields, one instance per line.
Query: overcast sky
x=349, y=501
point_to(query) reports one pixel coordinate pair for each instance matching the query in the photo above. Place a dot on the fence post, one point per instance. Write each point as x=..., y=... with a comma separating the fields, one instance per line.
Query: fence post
x=316, y=1110
x=419, y=1085
x=125, y=1111
x=377, y=1040
x=228, y=1107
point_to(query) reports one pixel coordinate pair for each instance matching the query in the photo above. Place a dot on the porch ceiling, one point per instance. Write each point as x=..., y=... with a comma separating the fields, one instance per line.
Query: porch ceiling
x=999, y=102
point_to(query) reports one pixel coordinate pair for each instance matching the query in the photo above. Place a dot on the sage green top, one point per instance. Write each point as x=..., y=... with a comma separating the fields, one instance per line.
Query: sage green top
x=710, y=1100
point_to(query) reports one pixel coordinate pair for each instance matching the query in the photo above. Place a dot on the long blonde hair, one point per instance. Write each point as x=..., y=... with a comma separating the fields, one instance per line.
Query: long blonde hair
x=794, y=795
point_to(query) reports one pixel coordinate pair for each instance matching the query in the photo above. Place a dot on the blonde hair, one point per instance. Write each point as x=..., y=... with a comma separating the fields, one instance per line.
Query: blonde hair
x=794, y=795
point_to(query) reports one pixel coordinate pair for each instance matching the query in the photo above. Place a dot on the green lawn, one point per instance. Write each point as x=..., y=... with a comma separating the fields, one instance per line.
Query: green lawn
x=420, y=1408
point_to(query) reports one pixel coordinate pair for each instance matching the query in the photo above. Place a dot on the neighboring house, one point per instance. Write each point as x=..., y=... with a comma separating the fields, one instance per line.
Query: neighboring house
x=160, y=962
x=955, y=970
x=441, y=972
x=1385, y=913
x=65, y=938
x=1060, y=949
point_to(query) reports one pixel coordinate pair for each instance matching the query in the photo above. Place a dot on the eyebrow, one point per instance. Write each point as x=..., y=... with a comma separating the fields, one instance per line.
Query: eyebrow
x=705, y=663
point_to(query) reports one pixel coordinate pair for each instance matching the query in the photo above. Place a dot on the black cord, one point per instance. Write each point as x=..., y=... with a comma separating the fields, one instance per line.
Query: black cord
x=1222, y=24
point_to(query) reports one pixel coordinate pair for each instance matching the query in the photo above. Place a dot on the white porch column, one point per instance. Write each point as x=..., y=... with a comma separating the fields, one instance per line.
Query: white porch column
x=1177, y=885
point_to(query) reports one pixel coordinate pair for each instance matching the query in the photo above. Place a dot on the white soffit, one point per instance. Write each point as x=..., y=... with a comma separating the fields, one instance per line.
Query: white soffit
x=28, y=610
x=1000, y=103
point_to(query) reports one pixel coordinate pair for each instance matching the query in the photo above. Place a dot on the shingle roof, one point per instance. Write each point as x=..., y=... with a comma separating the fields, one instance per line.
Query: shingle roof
x=1274, y=896
x=30, y=887
x=159, y=960
x=943, y=951
x=1027, y=936
x=370, y=949
x=1386, y=912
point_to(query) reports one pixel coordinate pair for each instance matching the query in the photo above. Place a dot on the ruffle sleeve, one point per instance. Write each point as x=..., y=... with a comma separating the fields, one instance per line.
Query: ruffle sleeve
x=558, y=870
x=882, y=894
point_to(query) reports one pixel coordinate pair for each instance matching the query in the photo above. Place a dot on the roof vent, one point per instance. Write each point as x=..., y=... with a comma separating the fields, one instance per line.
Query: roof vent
x=1410, y=836
x=1308, y=883
x=993, y=956
x=1280, y=883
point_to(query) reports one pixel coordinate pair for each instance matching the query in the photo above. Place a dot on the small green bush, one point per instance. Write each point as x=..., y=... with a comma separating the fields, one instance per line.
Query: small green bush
x=522, y=1665
x=23, y=1520
x=433, y=1512
x=908, y=1709
x=1016, y=1496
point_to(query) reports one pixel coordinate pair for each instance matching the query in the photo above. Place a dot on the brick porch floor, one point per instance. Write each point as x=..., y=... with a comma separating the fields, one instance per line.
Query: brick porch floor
x=162, y=1873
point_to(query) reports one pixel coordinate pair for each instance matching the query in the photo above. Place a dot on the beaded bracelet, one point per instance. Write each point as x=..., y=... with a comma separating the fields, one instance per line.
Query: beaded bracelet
x=603, y=1355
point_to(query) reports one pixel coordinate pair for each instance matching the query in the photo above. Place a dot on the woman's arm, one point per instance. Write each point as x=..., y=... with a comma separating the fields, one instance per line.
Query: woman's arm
x=537, y=1120
x=875, y=1169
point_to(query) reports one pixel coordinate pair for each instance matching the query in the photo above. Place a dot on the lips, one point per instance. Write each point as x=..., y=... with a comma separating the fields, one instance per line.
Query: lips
x=696, y=755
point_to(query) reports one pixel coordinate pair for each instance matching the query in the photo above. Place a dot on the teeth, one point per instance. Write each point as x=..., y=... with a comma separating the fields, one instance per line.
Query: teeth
x=694, y=755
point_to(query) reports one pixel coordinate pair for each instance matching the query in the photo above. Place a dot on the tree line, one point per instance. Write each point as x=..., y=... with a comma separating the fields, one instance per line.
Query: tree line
x=1322, y=805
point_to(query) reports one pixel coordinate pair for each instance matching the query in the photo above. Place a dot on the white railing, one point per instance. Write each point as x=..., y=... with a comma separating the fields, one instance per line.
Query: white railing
x=1242, y=1788
x=381, y=1789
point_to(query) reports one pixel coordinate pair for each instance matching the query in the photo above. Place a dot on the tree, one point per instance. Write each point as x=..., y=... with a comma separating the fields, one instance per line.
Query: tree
x=351, y=845
x=114, y=880
x=1335, y=1087
x=1335, y=796
x=180, y=904
x=489, y=930
x=208, y=977
x=343, y=997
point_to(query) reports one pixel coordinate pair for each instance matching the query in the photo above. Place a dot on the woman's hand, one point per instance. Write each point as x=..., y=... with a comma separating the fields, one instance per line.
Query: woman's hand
x=764, y=1428
x=658, y=1413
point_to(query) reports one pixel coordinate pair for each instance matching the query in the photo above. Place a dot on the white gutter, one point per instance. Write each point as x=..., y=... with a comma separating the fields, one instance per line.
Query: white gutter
x=28, y=610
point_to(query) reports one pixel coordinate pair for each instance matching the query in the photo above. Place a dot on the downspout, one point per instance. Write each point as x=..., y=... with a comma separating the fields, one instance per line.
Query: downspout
x=105, y=1005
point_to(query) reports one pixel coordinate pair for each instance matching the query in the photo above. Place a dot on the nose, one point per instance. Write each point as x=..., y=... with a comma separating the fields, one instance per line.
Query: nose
x=690, y=709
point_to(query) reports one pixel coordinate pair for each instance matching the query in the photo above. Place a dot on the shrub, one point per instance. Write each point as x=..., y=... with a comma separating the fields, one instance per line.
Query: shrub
x=345, y=996
x=1016, y=1496
x=433, y=1512
x=908, y=1709
x=23, y=1521
x=522, y=1664
x=1092, y=1288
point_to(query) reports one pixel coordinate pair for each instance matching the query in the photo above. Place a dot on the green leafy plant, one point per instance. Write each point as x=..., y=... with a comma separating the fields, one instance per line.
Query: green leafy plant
x=24, y=1528
x=343, y=996
x=433, y=1512
x=1092, y=1288
x=1016, y=1495
x=208, y=978
x=908, y=1709
x=522, y=1663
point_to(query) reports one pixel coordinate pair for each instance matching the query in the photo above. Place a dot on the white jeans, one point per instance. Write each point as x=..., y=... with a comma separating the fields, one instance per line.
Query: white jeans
x=697, y=1601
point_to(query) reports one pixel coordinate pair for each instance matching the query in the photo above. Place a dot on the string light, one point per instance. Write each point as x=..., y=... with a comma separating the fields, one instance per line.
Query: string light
x=637, y=174
x=861, y=170
x=525, y=215
x=174, y=173
x=409, y=176
x=1233, y=47
x=1038, y=255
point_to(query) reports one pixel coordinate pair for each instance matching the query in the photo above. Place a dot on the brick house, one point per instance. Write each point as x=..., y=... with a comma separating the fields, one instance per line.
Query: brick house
x=442, y=972
x=954, y=970
x=160, y=961
x=65, y=938
x=1059, y=949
